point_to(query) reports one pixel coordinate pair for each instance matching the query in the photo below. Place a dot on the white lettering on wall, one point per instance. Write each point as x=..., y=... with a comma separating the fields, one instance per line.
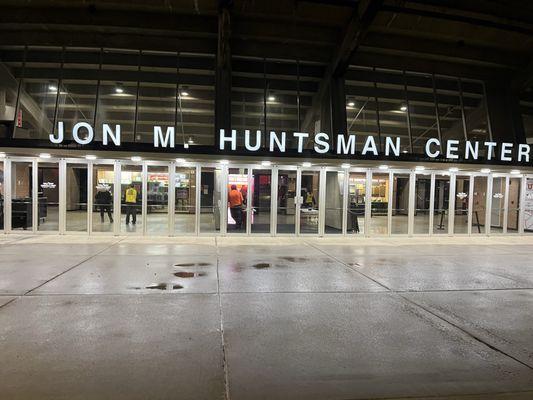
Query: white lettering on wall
x=490, y=149
x=344, y=147
x=301, y=136
x=232, y=139
x=247, y=144
x=280, y=143
x=507, y=149
x=370, y=145
x=430, y=153
x=90, y=133
x=60, y=134
x=390, y=145
x=451, y=148
x=471, y=150
x=523, y=151
x=108, y=133
x=165, y=141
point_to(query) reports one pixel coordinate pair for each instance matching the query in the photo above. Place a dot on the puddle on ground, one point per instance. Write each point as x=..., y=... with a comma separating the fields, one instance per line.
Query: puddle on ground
x=159, y=286
x=186, y=274
x=293, y=259
x=261, y=265
x=201, y=264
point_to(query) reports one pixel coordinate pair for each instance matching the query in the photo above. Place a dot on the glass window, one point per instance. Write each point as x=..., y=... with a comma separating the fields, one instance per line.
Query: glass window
x=441, y=204
x=334, y=201
x=103, y=189
x=261, y=200
x=462, y=191
x=356, y=203
x=48, y=196
x=157, y=198
x=76, y=217
x=380, y=204
x=400, y=204
x=21, y=196
x=286, y=201
x=475, y=111
x=185, y=200
x=528, y=207
x=449, y=108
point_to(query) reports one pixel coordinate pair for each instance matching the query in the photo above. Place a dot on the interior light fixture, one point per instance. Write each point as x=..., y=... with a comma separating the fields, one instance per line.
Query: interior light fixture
x=190, y=140
x=180, y=160
x=485, y=170
x=453, y=169
x=224, y=162
x=420, y=168
x=185, y=145
x=266, y=163
x=271, y=97
x=403, y=108
x=405, y=151
x=135, y=158
x=351, y=104
x=45, y=155
x=515, y=172
x=306, y=164
x=52, y=88
x=383, y=167
x=184, y=93
x=119, y=89
x=2, y=155
x=90, y=157
x=345, y=165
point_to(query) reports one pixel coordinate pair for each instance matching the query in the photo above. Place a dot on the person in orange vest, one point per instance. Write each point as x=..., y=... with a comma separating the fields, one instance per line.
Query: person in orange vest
x=130, y=198
x=235, y=201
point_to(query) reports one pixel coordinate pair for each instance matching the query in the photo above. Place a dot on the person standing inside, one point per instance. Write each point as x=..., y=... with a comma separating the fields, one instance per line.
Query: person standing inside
x=103, y=200
x=130, y=198
x=235, y=201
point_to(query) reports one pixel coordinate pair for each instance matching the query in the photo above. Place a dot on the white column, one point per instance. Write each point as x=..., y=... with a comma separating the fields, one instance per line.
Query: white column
x=172, y=198
x=90, y=196
x=198, y=204
x=506, y=205
x=488, y=206
x=144, y=196
x=451, y=204
x=431, y=204
x=35, y=196
x=389, y=204
x=521, y=205
x=322, y=201
x=368, y=202
x=345, y=200
x=470, y=204
x=7, y=195
x=411, y=210
x=297, y=199
x=274, y=202
x=116, y=198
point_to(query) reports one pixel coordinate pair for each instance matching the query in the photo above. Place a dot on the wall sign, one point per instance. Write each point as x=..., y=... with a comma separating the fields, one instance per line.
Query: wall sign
x=276, y=142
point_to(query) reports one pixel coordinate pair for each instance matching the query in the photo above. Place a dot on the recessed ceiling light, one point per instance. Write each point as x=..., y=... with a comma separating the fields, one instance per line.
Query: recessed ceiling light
x=515, y=172
x=345, y=165
x=184, y=93
x=52, y=88
x=190, y=140
x=485, y=170
x=90, y=157
x=453, y=169
x=351, y=104
x=383, y=167
x=119, y=90
x=224, y=162
x=45, y=155
x=2, y=155
x=135, y=158
x=271, y=98
x=185, y=145
x=420, y=168
x=180, y=160
x=306, y=164
x=403, y=108
x=266, y=163
x=405, y=151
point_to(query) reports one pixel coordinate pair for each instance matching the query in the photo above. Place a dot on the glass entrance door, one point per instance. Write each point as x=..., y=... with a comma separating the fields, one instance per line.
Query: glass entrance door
x=77, y=196
x=48, y=197
x=287, y=199
x=210, y=199
x=497, y=211
x=379, y=204
x=334, y=206
x=103, y=182
x=422, y=203
x=308, y=207
x=157, y=215
x=261, y=200
x=237, y=189
x=355, y=217
x=479, y=205
x=462, y=204
x=185, y=200
x=21, y=196
x=513, y=204
x=131, y=217
x=441, y=203
x=400, y=204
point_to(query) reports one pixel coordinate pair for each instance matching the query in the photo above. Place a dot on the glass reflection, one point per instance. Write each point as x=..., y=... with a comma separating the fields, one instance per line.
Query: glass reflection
x=261, y=200
x=185, y=200
x=157, y=200
x=1, y=195
x=131, y=199
x=210, y=199
x=237, y=188
x=422, y=203
x=513, y=206
x=479, y=205
x=497, y=210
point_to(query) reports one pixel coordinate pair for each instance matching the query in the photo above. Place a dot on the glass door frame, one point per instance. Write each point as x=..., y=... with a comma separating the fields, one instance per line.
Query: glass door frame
x=410, y=204
x=274, y=194
x=63, y=194
x=223, y=196
x=273, y=202
x=345, y=181
x=90, y=194
x=172, y=197
x=171, y=171
x=505, y=203
x=431, y=176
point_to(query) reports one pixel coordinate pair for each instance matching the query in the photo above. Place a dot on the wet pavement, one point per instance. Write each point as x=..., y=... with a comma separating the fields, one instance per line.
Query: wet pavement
x=265, y=318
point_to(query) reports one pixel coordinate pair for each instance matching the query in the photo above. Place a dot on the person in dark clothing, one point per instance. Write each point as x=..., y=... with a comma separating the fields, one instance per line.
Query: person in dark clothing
x=103, y=200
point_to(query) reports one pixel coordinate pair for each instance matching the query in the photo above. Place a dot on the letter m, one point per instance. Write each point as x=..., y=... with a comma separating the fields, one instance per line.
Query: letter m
x=165, y=141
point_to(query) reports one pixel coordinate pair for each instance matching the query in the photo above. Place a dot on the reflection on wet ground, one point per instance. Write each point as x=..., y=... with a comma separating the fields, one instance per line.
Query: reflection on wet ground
x=200, y=264
x=261, y=265
x=164, y=286
x=186, y=274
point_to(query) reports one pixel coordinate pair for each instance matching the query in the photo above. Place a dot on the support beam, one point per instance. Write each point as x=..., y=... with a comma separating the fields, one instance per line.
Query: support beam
x=223, y=70
x=354, y=34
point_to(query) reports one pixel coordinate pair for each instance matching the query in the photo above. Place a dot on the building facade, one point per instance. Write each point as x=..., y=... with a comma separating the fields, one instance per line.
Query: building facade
x=329, y=118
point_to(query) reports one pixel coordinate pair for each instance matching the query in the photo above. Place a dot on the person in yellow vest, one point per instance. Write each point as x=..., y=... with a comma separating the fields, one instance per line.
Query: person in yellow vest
x=130, y=198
